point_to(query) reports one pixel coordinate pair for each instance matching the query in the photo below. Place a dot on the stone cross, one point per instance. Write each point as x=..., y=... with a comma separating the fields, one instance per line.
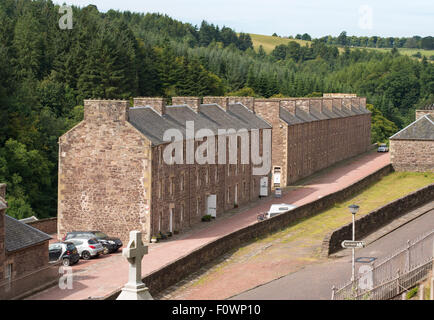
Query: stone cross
x=135, y=289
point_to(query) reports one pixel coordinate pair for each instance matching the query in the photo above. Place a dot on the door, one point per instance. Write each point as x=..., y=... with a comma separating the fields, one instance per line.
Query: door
x=212, y=205
x=263, y=192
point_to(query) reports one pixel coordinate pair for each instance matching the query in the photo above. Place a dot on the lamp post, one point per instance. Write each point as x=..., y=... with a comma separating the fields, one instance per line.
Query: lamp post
x=353, y=209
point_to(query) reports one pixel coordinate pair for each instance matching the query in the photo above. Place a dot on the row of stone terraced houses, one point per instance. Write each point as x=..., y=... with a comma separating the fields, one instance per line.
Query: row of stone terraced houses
x=112, y=176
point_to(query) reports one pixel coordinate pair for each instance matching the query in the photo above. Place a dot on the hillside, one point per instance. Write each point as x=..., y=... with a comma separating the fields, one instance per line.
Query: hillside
x=270, y=42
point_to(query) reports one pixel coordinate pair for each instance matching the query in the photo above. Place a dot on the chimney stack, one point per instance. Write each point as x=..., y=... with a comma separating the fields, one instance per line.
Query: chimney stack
x=157, y=103
x=221, y=101
x=192, y=102
x=248, y=102
x=106, y=110
x=3, y=190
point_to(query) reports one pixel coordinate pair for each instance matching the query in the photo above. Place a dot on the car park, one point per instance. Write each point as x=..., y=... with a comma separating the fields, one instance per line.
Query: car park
x=87, y=248
x=276, y=209
x=110, y=244
x=66, y=252
x=383, y=148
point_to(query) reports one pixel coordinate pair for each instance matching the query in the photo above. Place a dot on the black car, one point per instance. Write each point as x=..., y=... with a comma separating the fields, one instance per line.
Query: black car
x=65, y=252
x=110, y=244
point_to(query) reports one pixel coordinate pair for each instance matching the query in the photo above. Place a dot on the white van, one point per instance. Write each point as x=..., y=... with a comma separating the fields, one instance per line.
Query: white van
x=275, y=210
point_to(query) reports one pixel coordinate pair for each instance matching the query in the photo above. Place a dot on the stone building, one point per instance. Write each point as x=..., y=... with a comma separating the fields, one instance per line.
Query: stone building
x=114, y=175
x=24, y=262
x=412, y=148
x=310, y=134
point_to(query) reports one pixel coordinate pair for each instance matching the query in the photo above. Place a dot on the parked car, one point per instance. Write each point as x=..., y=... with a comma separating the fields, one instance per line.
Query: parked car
x=275, y=210
x=87, y=248
x=110, y=244
x=63, y=251
x=383, y=148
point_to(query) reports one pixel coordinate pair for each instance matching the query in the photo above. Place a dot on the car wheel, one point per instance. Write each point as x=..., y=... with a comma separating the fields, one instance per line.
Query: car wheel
x=66, y=262
x=85, y=255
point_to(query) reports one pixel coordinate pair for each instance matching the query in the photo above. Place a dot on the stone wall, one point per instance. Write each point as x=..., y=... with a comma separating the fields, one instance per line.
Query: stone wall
x=104, y=173
x=2, y=242
x=412, y=155
x=377, y=218
x=305, y=148
x=48, y=225
x=176, y=271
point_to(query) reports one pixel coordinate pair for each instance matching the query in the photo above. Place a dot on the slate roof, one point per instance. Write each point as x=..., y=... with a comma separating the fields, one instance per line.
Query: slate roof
x=19, y=235
x=220, y=117
x=421, y=129
x=288, y=117
x=244, y=114
x=150, y=123
x=210, y=116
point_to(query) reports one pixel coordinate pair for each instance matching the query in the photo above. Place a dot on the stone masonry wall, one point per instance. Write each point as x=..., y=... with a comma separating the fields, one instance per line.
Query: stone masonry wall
x=48, y=225
x=377, y=218
x=302, y=149
x=412, y=155
x=104, y=173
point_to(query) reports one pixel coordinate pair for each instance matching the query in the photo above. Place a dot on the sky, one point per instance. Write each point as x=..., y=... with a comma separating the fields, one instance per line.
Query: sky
x=397, y=18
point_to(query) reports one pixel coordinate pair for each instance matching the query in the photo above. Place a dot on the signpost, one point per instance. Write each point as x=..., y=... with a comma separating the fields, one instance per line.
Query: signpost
x=349, y=244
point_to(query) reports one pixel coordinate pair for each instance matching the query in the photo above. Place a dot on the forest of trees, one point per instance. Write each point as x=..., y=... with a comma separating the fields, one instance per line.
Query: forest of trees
x=415, y=42
x=46, y=72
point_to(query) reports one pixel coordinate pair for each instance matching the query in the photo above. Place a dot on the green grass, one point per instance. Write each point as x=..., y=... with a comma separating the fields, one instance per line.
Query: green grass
x=270, y=42
x=388, y=189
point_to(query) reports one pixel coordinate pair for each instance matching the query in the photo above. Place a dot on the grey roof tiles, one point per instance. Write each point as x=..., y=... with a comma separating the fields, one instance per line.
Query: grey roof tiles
x=19, y=235
x=421, y=129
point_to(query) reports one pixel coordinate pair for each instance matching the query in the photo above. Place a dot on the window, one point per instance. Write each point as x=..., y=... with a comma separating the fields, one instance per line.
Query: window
x=198, y=206
x=172, y=185
x=228, y=197
x=181, y=182
x=207, y=175
x=181, y=213
x=216, y=178
x=160, y=190
x=8, y=274
x=160, y=219
x=197, y=178
x=229, y=169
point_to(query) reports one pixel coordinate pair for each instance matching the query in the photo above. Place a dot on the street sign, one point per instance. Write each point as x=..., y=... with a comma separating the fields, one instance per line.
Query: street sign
x=348, y=244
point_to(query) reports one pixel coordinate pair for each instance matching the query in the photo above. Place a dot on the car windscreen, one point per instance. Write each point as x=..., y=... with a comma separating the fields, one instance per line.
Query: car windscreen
x=100, y=235
x=92, y=241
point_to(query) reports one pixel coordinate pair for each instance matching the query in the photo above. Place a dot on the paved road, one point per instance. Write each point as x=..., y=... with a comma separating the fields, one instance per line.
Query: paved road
x=315, y=281
x=97, y=278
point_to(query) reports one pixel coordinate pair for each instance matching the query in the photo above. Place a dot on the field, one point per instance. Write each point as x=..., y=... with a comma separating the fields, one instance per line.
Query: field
x=270, y=42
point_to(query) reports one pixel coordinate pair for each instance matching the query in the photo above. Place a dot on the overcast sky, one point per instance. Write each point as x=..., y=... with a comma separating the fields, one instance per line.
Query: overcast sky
x=289, y=17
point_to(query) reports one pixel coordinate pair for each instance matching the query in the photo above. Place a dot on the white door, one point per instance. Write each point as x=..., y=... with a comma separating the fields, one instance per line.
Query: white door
x=171, y=220
x=263, y=192
x=212, y=205
x=276, y=176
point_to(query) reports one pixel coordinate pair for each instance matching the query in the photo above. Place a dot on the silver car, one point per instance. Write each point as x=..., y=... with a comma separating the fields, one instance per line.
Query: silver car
x=383, y=148
x=87, y=248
